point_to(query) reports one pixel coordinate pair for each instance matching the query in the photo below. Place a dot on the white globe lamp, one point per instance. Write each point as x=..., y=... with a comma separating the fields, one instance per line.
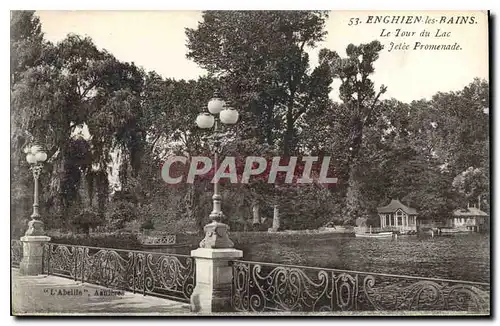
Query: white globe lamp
x=205, y=120
x=229, y=116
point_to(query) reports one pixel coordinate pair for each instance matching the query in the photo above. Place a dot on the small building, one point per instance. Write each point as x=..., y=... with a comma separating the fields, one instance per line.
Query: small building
x=397, y=217
x=469, y=219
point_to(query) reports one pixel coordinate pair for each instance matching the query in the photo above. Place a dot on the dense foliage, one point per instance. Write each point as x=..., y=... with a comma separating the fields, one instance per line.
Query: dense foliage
x=431, y=154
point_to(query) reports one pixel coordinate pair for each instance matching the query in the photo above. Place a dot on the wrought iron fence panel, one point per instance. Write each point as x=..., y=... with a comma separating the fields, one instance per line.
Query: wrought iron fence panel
x=153, y=273
x=61, y=260
x=106, y=267
x=261, y=287
x=16, y=252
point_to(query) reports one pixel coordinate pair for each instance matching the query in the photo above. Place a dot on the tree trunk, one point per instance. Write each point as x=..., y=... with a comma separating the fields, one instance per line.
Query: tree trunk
x=353, y=196
x=269, y=125
x=276, y=218
x=102, y=185
x=356, y=139
x=288, y=136
x=192, y=201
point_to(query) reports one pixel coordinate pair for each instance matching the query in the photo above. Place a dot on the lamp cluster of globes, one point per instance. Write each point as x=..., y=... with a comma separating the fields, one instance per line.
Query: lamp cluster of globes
x=227, y=114
x=35, y=154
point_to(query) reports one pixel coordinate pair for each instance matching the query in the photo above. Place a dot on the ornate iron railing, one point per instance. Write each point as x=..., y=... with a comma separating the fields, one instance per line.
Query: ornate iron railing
x=16, y=252
x=150, y=273
x=261, y=287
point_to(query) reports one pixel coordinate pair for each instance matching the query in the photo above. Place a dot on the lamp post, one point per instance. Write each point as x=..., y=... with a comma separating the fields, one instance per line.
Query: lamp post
x=35, y=156
x=34, y=238
x=216, y=232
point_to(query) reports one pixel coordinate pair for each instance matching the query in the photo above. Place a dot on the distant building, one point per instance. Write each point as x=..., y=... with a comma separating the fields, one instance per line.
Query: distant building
x=469, y=219
x=397, y=217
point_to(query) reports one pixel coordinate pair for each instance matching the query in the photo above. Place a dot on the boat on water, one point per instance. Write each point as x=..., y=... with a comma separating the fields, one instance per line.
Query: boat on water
x=452, y=231
x=363, y=233
x=375, y=235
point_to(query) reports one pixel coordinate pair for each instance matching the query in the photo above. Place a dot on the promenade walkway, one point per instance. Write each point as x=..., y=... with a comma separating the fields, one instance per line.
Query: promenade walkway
x=52, y=295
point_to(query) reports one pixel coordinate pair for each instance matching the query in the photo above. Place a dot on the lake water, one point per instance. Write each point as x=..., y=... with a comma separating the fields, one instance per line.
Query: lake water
x=459, y=257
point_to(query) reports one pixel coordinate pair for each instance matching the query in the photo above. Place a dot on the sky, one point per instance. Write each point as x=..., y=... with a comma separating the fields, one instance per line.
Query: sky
x=156, y=40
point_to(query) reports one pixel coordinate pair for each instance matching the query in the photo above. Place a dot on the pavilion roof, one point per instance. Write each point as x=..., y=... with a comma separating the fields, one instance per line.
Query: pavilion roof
x=394, y=205
x=471, y=211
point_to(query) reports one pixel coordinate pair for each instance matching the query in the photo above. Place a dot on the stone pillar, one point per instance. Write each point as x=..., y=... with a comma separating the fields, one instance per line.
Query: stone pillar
x=33, y=242
x=256, y=216
x=214, y=277
x=276, y=219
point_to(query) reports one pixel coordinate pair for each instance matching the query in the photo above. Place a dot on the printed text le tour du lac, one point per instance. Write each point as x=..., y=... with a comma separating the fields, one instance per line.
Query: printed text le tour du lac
x=424, y=32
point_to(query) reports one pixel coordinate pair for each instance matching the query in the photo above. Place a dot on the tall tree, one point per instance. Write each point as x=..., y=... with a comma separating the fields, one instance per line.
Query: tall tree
x=26, y=42
x=357, y=92
x=261, y=58
x=170, y=110
x=26, y=51
x=79, y=85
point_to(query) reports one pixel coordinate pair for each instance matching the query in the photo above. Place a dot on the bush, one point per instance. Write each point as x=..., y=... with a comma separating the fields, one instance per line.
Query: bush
x=119, y=213
x=132, y=227
x=86, y=220
x=148, y=225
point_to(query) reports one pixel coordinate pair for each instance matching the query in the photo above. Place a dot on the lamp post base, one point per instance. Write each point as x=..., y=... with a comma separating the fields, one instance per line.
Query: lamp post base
x=216, y=236
x=35, y=228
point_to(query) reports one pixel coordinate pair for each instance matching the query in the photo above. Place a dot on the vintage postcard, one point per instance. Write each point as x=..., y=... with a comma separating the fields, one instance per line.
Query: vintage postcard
x=179, y=163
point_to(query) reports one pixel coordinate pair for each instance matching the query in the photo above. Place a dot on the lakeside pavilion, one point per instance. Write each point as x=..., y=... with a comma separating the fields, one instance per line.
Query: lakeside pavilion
x=398, y=217
x=469, y=219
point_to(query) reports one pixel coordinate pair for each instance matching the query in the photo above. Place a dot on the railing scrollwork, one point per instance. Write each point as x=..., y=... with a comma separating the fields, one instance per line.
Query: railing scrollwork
x=259, y=287
x=149, y=273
